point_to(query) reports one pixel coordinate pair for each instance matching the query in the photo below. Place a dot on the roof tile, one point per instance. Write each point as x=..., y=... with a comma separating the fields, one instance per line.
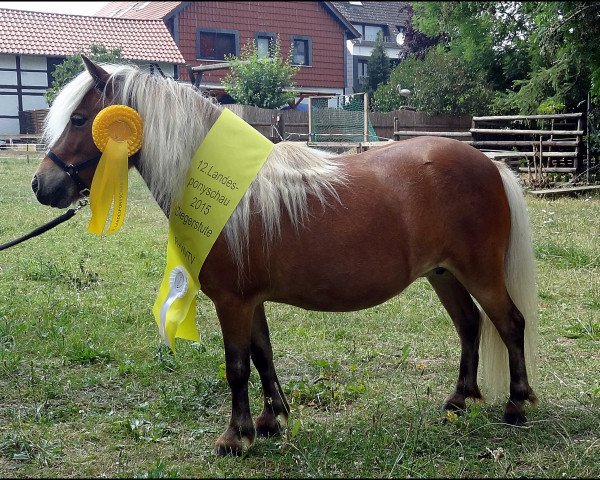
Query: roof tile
x=138, y=10
x=37, y=33
x=392, y=14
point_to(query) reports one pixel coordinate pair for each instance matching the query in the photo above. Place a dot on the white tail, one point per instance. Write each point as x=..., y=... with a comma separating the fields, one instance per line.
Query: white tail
x=521, y=285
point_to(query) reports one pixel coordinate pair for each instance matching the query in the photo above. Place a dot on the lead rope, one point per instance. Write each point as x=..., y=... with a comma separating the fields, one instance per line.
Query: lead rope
x=44, y=228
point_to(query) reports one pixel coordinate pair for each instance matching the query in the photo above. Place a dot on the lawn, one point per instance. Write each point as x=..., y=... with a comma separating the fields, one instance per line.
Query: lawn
x=86, y=390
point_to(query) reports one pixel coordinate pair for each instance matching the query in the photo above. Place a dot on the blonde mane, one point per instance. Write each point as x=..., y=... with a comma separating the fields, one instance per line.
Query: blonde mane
x=176, y=120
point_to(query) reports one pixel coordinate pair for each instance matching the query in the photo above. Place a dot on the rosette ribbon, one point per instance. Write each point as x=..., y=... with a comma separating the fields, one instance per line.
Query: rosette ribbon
x=117, y=132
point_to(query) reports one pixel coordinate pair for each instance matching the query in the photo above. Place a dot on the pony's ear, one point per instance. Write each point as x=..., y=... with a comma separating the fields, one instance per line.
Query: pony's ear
x=99, y=75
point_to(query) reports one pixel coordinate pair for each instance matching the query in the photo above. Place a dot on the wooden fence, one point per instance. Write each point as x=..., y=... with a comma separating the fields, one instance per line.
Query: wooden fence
x=546, y=143
x=293, y=124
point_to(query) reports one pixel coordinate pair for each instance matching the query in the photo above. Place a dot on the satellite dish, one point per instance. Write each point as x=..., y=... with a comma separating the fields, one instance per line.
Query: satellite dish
x=400, y=38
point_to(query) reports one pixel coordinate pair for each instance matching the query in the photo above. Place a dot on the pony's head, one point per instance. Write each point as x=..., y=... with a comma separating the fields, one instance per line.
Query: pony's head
x=176, y=118
x=66, y=172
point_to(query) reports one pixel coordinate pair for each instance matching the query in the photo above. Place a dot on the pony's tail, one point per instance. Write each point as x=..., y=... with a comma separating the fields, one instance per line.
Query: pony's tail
x=520, y=278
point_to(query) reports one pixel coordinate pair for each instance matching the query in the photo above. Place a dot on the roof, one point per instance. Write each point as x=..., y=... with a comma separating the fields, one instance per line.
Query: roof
x=138, y=10
x=392, y=14
x=53, y=34
x=162, y=10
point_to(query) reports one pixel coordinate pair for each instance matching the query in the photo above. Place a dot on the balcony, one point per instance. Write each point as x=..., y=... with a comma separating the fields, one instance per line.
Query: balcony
x=389, y=42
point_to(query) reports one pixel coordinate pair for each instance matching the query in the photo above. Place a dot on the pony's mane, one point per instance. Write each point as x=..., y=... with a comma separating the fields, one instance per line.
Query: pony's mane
x=176, y=120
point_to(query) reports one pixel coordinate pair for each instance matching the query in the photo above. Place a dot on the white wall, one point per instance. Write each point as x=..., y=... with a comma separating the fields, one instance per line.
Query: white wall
x=8, y=61
x=34, y=82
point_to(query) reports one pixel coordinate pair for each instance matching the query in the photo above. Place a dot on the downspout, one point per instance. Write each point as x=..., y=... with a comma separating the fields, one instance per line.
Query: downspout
x=177, y=73
x=344, y=50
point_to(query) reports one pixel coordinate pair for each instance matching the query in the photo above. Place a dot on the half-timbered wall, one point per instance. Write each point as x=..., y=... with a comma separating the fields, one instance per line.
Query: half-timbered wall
x=23, y=82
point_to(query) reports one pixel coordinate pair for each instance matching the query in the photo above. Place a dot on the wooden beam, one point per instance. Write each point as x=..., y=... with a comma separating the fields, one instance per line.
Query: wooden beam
x=564, y=190
x=432, y=134
x=527, y=117
x=505, y=131
x=525, y=143
x=214, y=66
x=531, y=154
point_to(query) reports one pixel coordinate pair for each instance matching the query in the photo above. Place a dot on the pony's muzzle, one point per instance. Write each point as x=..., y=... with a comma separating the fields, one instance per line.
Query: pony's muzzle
x=35, y=185
x=58, y=196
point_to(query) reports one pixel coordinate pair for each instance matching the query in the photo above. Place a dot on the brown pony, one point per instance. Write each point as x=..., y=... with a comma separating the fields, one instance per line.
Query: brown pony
x=330, y=233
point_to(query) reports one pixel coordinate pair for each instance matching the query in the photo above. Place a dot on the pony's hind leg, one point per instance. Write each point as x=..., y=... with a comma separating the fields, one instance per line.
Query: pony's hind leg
x=510, y=324
x=466, y=318
x=276, y=409
x=489, y=290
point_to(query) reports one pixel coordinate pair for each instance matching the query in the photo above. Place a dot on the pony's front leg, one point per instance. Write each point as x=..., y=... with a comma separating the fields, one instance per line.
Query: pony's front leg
x=276, y=409
x=236, y=325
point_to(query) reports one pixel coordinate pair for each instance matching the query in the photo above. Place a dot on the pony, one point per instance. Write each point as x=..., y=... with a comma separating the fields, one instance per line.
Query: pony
x=327, y=232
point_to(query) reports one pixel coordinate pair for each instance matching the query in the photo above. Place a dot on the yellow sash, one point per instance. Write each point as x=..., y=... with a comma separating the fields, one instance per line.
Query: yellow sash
x=221, y=171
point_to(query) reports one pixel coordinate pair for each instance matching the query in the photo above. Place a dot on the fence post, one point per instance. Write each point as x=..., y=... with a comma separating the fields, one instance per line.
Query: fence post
x=281, y=126
x=310, y=125
x=366, y=119
x=277, y=126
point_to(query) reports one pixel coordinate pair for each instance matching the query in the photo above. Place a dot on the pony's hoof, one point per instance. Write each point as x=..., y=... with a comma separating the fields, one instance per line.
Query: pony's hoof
x=455, y=403
x=514, y=415
x=226, y=450
x=270, y=426
x=230, y=444
x=454, y=407
x=532, y=398
x=267, y=431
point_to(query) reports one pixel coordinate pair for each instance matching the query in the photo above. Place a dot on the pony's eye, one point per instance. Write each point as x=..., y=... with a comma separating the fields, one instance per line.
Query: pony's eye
x=78, y=120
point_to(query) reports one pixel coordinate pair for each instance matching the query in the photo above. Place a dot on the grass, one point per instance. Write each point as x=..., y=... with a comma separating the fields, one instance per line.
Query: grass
x=86, y=390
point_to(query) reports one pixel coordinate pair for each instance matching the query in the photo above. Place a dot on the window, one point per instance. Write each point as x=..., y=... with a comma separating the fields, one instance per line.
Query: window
x=368, y=32
x=301, y=51
x=264, y=44
x=361, y=66
x=216, y=44
x=361, y=72
x=371, y=32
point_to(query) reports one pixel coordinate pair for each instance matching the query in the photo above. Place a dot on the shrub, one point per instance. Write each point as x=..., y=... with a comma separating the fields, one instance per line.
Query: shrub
x=73, y=66
x=440, y=83
x=260, y=81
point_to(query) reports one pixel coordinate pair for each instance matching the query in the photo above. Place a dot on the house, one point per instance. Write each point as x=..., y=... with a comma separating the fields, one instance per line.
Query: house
x=205, y=32
x=391, y=19
x=33, y=43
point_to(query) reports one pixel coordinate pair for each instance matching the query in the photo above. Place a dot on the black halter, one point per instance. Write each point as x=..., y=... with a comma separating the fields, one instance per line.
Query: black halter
x=73, y=170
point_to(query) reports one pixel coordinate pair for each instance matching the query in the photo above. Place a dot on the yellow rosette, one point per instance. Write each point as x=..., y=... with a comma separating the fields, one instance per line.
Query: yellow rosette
x=117, y=132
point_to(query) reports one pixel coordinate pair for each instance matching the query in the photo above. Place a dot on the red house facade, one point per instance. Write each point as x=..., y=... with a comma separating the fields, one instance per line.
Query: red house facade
x=314, y=32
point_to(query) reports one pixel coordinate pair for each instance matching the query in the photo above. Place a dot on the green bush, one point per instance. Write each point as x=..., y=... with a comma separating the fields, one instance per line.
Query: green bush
x=441, y=83
x=73, y=66
x=260, y=81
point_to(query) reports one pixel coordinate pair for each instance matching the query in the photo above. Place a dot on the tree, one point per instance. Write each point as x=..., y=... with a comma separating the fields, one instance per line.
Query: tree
x=440, y=83
x=260, y=81
x=416, y=43
x=73, y=66
x=540, y=57
x=565, y=58
x=488, y=36
x=378, y=67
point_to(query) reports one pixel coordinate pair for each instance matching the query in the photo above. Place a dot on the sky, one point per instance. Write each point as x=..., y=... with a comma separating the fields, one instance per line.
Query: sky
x=73, y=8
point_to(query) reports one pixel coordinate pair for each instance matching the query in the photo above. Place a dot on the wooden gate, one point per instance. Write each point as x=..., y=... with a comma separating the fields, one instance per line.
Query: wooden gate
x=533, y=143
